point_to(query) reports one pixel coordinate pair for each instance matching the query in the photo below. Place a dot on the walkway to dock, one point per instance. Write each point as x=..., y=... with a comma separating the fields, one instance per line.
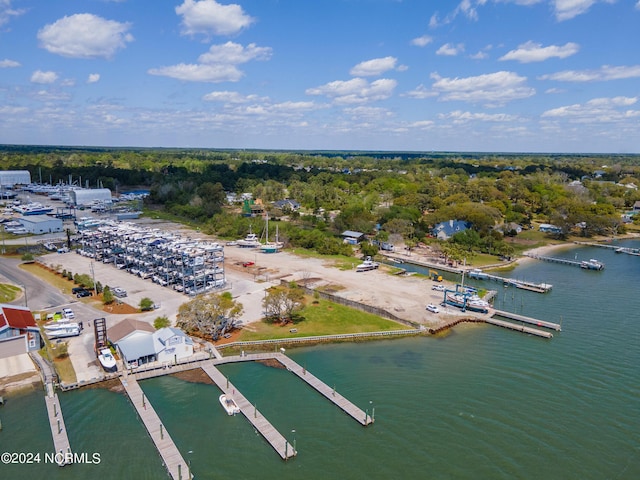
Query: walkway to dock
x=173, y=461
x=251, y=413
x=564, y=261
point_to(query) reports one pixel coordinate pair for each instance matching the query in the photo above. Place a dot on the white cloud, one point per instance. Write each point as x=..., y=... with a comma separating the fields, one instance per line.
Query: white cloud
x=449, y=49
x=84, y=35
x=376, y=66
x=479, y=56
x=7, y=12
x=6, y=63
x=217, y=65
x=491, y=89
x=604, y=73
x=233, y=54
x=567, y=9
x=638, y=5
x=598, y=110
x=421, y=92
x=93, y=78
x=210, y=17
x=356, y=90
x=199, y=73
x=422, y=41
x=231, y=97
x=44, y=77
x=422, y=124
x=459, y=116
x=563, y=9
x=535, y=52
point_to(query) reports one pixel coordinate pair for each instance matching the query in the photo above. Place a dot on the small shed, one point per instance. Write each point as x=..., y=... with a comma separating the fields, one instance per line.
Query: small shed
x=351, y=237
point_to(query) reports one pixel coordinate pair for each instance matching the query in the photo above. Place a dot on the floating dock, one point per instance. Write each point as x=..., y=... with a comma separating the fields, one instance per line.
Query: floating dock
x=586, y=265
x=173, y=461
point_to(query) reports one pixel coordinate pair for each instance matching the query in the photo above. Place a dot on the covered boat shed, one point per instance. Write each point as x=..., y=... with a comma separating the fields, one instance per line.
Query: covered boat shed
x=9, y=178
x=87, y=196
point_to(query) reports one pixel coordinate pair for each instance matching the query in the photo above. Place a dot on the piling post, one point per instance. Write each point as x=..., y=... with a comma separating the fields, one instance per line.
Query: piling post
x=161, y=433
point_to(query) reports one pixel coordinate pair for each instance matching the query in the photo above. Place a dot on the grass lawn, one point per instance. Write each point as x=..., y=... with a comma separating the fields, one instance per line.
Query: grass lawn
x=321, y=318
x=8, y=293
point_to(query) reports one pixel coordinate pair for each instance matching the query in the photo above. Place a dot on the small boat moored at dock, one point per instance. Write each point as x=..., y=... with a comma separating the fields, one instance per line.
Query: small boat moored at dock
x=592, y=264
x=229, y=405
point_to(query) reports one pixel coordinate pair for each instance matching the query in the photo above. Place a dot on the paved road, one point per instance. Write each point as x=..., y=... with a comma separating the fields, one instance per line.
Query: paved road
x=39, y=294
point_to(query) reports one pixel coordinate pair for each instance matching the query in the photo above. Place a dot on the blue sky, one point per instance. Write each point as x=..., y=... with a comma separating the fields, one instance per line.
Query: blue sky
x=470, y=75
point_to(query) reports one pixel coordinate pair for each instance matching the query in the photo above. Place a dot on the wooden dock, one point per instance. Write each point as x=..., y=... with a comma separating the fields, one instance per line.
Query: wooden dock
x=615, y=248
x=523, y=284
x=519, y=328
x=173, y=461
x=58, y=428
x=345, y=405
x=280, y=444
x=531, y=321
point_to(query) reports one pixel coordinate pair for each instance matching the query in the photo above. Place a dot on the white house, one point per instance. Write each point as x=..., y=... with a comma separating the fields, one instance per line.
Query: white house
x=138, y=343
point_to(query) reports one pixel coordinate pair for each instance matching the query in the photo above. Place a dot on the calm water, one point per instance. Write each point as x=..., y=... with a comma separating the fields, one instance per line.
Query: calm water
x=479, y=403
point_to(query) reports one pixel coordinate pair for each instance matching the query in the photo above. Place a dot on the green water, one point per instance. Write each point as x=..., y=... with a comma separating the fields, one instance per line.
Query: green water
x=479, y=403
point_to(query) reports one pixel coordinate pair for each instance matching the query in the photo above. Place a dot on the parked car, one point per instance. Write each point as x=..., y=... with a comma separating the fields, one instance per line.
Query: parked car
x=84, y=293
x=119, y=292
x=76, y=290
x=68, y=313
x=439, y=288
x=433, y=308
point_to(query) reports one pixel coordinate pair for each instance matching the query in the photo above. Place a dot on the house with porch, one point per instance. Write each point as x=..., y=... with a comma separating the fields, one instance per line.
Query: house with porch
x=445, y=230
x=138, y=343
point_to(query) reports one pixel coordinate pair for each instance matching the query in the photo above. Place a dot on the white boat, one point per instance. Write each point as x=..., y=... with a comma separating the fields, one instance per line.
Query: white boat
x=367, y=265
x=107, y=360
x=250, y=241
x=229, y=405
x=34, y=208
x=62, y=330
x=592, y=264
x=270, y=247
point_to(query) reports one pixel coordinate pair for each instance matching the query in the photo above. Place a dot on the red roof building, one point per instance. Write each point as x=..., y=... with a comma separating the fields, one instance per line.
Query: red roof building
x=19, y=332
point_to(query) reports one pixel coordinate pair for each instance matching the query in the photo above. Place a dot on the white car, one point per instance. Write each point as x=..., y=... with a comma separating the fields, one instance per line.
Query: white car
x=439, y=288
x=119, y=292
x=68, y=313
x=433, y=308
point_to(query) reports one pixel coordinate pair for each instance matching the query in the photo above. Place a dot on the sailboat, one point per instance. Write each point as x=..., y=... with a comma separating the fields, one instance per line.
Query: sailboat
x=250, y=241
x=270, y=247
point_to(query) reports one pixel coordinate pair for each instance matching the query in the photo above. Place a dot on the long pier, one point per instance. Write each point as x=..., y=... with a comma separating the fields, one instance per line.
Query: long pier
x=615, y=248
x=519, y=328
x=531, y=321
x=564, y=261
x=58, y=428
x=523, y=284
x=170, y=454
x=280, y=444
x=330, y=393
